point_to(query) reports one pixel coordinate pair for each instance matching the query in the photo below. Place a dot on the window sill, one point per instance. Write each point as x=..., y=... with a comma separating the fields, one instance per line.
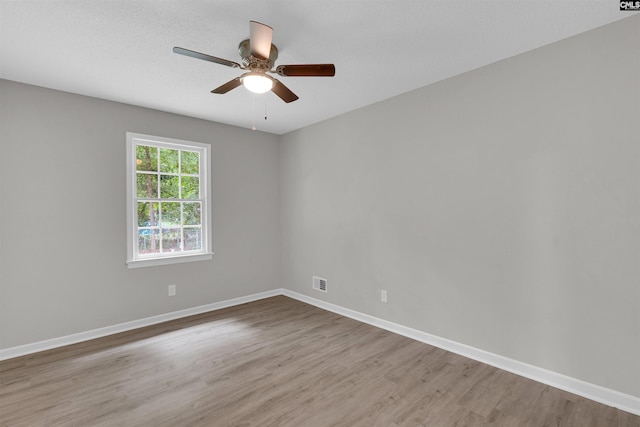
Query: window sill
x=138, y=263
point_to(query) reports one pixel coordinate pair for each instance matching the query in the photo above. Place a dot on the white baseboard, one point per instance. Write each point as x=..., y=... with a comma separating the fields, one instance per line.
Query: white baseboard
x=35, y=347
x=594, y=392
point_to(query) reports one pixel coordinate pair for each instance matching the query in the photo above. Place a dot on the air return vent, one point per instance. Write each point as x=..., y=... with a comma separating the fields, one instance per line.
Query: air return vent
x=319, y=284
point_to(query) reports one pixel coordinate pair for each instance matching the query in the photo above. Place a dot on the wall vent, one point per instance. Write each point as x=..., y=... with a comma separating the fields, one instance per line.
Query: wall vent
x=319, y=284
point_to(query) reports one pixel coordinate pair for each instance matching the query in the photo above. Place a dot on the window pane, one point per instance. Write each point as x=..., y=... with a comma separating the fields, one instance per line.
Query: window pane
x=170, y=240
x=169, y=187
x=168, y=160
x=148, y=242
x=191, y=213
x=190, y=187
x=146, y=158
x=190, y=162
x=192, y=239
x=167, y=211
x=147, y=217
x=147, y=185
x=170, y=214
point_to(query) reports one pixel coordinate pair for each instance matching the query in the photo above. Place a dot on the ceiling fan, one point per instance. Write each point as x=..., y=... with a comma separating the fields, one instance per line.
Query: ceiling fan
x=258, y=57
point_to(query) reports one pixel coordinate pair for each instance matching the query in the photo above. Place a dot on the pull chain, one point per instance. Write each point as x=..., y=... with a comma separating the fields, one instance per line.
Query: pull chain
x=265, y=106
x=253, y=111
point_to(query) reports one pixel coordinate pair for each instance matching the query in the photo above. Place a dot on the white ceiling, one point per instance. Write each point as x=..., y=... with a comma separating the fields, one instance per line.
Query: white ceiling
x=121, y=50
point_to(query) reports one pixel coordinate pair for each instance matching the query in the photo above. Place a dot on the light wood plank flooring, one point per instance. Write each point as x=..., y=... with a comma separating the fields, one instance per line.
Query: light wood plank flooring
x=277, y=362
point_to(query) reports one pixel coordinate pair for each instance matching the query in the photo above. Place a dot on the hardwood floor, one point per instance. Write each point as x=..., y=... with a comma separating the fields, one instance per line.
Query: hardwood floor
x=277, y=362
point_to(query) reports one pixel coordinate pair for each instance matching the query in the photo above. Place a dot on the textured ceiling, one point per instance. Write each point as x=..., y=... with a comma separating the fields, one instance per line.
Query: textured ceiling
x=121, y=50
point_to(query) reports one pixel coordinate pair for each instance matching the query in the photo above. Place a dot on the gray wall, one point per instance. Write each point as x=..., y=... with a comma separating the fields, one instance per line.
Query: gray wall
x=62, y=216
x=499, y=208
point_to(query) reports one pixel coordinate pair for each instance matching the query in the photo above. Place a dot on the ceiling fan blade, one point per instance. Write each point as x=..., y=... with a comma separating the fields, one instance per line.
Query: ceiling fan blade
x=283, y=92
x=260, y=39
x=205, y=57
x=307, y=70
x=231, y=84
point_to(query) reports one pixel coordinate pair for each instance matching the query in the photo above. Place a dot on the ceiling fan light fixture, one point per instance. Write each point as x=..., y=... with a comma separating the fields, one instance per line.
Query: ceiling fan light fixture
x=258, y=57
x=257, y=82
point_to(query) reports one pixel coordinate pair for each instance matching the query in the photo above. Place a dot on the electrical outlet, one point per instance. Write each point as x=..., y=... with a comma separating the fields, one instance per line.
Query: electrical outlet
x=172, y=290
x=383, y=296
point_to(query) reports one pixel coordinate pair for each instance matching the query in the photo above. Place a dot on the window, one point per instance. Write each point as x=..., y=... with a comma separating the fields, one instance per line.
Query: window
x=168, y=201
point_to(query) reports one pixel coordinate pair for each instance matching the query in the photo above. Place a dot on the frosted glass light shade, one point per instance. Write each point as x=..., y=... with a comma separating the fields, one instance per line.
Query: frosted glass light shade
x=257, y=83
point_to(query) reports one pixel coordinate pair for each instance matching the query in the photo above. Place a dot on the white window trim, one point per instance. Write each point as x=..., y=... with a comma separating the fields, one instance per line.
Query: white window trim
x=205, y=185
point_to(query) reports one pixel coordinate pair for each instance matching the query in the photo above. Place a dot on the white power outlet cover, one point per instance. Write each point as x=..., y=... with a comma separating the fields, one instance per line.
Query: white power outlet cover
x=172, y=290
x=383, y=296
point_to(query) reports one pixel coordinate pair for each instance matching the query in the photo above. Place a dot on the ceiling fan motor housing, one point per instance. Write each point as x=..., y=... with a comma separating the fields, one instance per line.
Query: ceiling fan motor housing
x=254, y=63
